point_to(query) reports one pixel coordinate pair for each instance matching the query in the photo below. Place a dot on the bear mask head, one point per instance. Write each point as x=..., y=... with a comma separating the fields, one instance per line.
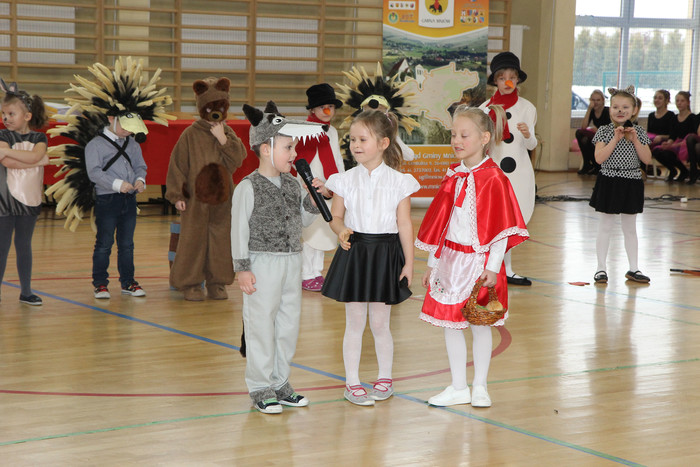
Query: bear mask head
x=212, y=98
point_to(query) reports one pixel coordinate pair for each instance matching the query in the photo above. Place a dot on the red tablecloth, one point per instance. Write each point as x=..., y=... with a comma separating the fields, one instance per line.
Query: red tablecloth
x=158, y=146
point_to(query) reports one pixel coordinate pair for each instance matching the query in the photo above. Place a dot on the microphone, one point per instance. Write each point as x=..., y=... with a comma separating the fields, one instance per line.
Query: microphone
x=306, y=175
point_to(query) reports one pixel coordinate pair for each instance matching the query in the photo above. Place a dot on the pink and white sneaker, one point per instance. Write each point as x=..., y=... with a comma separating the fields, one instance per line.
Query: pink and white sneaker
x=382, y=390
x=311, y=285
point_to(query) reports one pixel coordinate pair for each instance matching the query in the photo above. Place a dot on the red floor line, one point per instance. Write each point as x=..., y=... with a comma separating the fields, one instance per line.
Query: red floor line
x=505, y=342
x=86, y=278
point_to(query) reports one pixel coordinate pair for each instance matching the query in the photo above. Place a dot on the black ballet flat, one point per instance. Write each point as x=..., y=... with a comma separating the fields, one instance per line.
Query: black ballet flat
x=637, y=276
x=600, y=277
x=518, y=280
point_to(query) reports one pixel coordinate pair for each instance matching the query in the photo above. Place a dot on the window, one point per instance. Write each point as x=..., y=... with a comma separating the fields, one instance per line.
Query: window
x=639, y=42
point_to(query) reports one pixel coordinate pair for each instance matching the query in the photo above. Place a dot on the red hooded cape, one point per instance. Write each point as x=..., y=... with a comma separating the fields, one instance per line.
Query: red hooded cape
x=497, y=213
x=497, y=210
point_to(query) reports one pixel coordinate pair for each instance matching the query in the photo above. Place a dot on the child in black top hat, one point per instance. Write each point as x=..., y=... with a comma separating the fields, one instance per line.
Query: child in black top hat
x=324, y=158
x=511, y=153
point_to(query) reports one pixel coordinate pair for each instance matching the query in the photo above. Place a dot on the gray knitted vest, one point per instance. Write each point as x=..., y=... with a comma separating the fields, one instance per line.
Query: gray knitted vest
x=275, y=224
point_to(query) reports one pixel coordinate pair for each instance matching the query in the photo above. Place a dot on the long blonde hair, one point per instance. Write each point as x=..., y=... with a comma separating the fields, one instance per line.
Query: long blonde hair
x=483, y=121
x=382, y=125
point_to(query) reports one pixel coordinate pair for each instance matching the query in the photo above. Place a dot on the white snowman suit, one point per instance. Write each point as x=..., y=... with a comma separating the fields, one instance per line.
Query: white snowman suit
x=522, y=178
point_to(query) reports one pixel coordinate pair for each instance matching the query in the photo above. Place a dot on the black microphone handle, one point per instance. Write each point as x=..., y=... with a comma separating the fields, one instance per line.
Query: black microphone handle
x=307, y=176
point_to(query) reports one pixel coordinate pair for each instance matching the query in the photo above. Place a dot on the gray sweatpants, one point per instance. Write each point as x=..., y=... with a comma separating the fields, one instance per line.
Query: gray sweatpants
x=271, y=318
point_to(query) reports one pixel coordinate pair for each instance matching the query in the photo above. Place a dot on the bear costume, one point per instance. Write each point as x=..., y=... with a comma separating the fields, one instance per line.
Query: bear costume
x=200, y=185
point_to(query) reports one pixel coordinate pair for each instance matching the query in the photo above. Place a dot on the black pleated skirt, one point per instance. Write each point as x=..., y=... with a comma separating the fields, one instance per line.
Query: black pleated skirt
x=618, y=195
x=369, y=271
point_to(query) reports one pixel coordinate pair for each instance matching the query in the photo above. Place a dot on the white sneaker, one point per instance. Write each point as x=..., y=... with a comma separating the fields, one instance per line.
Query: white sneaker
x=450, y=396
x=480, y=397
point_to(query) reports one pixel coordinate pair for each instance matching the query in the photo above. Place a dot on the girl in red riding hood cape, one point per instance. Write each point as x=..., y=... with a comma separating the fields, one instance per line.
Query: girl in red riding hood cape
x=471, y=223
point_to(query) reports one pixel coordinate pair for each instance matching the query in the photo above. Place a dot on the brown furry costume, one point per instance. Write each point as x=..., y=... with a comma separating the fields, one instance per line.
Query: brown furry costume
x=200, y=174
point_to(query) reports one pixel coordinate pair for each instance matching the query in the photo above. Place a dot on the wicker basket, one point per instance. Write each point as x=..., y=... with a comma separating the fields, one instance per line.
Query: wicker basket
x=480, y=315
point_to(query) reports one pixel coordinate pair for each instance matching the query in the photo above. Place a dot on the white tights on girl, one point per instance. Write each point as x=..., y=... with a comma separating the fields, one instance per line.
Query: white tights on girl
x=456, y=345
x=355, y=322
x=629, y=231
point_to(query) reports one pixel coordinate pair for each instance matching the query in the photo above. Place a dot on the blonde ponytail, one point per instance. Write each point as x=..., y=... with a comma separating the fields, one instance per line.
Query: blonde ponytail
x=483, y=122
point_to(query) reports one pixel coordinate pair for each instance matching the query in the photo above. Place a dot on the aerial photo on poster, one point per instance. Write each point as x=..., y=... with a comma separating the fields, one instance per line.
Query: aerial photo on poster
x=438, y=50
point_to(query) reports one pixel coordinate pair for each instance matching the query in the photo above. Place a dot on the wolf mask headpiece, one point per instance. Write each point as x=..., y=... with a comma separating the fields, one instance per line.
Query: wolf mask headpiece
x=265, y=125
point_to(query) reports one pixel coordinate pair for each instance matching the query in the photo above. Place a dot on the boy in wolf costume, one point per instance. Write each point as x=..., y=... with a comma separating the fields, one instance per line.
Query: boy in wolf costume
x=267, y=217
x=200, y=185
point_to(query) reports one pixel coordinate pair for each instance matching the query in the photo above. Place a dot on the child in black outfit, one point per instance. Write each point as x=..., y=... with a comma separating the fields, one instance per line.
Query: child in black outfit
x=620, y=147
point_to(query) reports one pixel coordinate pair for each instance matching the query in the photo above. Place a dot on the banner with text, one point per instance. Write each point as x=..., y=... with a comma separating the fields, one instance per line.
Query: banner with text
x=439, y=48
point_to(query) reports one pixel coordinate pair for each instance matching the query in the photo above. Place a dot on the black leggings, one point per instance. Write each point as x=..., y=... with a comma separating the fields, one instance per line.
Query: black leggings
x=584, y=138
x=670, y=160
x=23, y=226
x=693, y=142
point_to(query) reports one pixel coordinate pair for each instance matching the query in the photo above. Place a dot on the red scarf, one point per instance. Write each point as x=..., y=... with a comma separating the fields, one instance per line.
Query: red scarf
x=507, y=101
x=307, y=150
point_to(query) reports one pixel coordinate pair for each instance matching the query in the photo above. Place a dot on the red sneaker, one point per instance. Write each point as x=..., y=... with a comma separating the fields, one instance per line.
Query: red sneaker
x=311, y=285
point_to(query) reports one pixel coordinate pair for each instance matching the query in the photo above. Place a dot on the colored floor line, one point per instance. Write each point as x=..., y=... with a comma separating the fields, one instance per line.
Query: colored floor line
x=83, y=278
x=529, y=433
x=147, y=424
x=505, y=335
x=597, y=370
x=339, y=386
x=488, y=421
x=603, y=290
x=569, y=373
x=504, y=343
x=316, y=371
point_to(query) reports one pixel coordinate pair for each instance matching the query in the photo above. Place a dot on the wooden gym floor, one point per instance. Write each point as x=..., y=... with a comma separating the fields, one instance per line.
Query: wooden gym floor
x=581, y=375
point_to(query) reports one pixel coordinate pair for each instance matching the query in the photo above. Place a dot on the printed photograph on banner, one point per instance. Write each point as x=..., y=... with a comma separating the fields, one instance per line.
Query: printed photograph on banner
x=436, y=50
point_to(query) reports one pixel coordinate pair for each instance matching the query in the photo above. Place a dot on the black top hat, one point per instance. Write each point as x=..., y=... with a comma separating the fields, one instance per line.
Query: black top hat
x=322, y=94
x=505, y=60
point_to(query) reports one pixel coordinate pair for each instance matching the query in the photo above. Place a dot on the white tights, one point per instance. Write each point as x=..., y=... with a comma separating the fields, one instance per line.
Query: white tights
x=457, y=355
x=508, y=264
x=629, y=231
x=355, y=323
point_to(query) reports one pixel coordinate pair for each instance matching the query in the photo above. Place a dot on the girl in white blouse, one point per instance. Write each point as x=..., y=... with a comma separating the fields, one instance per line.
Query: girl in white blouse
x=373, y=267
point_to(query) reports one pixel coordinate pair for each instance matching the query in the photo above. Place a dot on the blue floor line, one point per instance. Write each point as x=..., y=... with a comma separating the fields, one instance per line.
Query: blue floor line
x=521, y=431
x=340, y=378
